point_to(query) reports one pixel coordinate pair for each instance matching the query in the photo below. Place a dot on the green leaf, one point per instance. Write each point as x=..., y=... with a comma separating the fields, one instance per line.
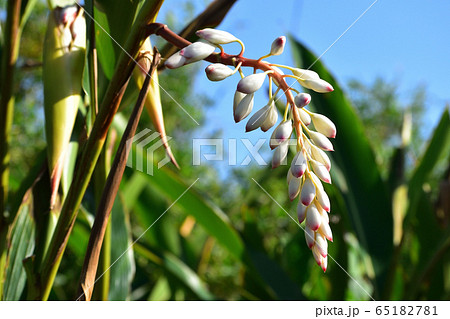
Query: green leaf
x=26, y=9
x=69, y=167
x=161, y=290
x=122, y=258
x=114, y=19
x=186, y=275
x=367, y=198
x=21, y=245
x=176, y=267
x=212, y=219
x=438, y=149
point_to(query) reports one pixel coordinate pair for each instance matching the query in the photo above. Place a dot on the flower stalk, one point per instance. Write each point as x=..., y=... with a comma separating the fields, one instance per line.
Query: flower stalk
x=310, y=171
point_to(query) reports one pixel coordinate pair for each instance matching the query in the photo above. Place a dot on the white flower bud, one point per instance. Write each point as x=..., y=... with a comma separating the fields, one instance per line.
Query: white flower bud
x=323, y=200
x=321, y=141
x=321, y=171
x=325, y=230
x=197, y=51
x=301, y=212
x=309, y=236
x=305, y=74
x=271, y=119
x=304, y=117
x=294, y=187
x=316, y=180
x=244, y=108
x=323, y=214
x=322, y=245
x=280, y=154
x=218, y=72
x=257, y=119
x=299, y=164
x=317, y=85
x=313, y=218
x=281, y=134
x=251, y=83
x=324, y=125
x=278, y=46
x=317, y=256
x=302, y=99
x=324, y=264
x=175, y=61
x=238, y=96
x=289, y=176
x=216, y=36
x=308, y=192
x=320, y=156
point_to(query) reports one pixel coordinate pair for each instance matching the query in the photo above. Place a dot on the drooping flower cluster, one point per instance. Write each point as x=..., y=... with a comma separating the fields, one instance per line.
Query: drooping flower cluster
x=310, y=165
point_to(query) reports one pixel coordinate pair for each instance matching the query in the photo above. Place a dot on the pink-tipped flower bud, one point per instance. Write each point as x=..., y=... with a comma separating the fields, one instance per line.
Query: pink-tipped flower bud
x=251, y=83
x=316, y=180
x=216, y=36
x=294, y=187
x=325, y=230
x=280, y=154
x=175, y=61
x=301, y=212
x=308, y=192
x=271, y=118
x=313, y=218
x=302, y=99
x=197, y=51
x=321, y=141
x=320, y=156
x=323, y=214
x=322, y=245
x=310, y=237
x=281, y=134
x=321, y=171
x=323, y=200
x=244, y=108
x=304, y=117
x=299, y=164
x=324, y=125
x=317, y=256
x=324, y=264
x=305, y=74
x=317, y=85
x=218, y=72
x=278, y=46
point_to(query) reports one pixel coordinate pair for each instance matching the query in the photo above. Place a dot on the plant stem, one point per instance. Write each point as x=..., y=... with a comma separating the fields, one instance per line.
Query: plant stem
x=9, y=59
x=94, y=146
x=89, y=271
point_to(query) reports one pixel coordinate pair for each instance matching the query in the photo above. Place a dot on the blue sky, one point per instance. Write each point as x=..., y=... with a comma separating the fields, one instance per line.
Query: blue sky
x=405, y=41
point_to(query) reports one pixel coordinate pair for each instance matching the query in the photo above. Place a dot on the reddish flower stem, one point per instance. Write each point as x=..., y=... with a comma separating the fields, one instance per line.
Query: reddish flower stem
x=163, y=31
